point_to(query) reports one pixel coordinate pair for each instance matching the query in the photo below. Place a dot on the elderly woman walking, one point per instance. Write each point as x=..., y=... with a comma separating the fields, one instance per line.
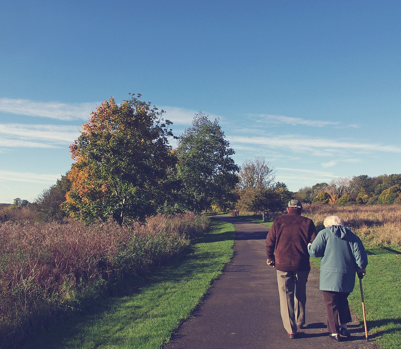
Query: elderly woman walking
x=343, y=255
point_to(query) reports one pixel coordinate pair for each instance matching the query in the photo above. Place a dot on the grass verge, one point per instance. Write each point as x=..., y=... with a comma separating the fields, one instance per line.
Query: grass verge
x=148, y=310
x=381, y=296
x=381, y=290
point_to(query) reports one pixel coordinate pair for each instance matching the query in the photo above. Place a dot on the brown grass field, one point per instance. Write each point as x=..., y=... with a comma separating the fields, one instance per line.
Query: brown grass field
x=376, y=225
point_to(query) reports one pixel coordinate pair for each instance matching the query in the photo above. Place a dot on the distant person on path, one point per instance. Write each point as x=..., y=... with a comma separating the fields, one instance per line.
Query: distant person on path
x=343, y=255
x=287, y=250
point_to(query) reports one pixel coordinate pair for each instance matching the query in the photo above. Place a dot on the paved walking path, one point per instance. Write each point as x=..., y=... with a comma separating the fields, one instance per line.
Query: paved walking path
x=241, y=310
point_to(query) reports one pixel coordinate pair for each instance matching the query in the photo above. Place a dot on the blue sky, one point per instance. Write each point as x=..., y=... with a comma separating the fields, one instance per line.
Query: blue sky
x=311, y=86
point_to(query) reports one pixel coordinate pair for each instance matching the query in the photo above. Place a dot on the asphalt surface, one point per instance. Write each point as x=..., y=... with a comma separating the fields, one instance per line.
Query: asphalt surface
x=241, y=309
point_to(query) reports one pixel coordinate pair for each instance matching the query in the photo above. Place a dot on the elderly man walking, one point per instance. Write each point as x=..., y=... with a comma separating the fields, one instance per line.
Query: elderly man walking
x=287, y=250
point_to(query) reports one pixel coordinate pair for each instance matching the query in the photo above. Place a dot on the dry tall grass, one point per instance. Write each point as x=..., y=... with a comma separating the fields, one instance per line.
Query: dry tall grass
x=376, y=225
x=14, y=214
x=46, y=269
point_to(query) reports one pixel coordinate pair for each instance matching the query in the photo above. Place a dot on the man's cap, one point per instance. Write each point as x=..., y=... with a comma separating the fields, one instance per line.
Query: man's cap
x=295, y=203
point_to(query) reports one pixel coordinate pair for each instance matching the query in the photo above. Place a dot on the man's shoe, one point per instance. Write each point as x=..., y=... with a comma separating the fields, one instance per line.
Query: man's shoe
x=292, y=335
x=335, y=336
x=344, y=332
x=300, y=326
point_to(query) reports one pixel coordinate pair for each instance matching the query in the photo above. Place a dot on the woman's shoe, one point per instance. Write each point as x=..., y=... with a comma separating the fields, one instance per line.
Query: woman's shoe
x=344, y=332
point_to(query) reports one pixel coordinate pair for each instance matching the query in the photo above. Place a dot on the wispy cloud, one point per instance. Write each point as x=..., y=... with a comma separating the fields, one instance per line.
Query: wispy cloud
x=52, y=110
x=299, y=143
x=307, y=172
x=329, y=164
x=281, y=119
x=16, y=143
x=37, y=136
x=335, y=162
x=28, y=177
x=57, y=133
x=303, y=176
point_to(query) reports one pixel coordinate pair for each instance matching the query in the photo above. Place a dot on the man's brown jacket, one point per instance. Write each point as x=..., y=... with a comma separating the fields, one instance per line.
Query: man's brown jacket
x=287, y=242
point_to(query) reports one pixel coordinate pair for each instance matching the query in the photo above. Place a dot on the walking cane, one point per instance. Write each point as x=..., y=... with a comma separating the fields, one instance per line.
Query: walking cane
x=363, y=308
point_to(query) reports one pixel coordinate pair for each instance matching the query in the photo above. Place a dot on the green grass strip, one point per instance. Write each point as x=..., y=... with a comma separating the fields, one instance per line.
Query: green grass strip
x=153, y=307
x=381, y=290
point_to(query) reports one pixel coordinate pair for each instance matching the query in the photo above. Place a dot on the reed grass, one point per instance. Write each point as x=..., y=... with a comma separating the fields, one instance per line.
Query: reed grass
x=149, y=309
x=50, y=270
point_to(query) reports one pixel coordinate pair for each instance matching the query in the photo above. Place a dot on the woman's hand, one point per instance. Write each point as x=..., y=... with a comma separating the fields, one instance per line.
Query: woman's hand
x=361, y=273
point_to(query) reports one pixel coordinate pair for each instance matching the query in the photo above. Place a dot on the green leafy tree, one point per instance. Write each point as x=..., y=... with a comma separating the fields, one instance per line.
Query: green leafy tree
x=205, y=168
x=317, y=189
x=122, y=160
x=278, y=197
x=48, y=204
x=304, y=195
x=363, y=182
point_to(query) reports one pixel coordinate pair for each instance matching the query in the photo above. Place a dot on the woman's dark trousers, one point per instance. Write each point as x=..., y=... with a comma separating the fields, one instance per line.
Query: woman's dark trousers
x=336, y=308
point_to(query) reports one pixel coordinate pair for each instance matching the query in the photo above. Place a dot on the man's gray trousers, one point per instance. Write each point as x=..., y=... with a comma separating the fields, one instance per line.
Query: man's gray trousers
x=292, y=292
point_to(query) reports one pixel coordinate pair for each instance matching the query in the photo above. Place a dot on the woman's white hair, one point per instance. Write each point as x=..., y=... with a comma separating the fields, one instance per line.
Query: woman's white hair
x=332, y=220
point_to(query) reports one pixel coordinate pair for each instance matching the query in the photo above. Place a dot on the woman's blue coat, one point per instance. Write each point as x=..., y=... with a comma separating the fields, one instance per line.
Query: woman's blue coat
x=342, y=255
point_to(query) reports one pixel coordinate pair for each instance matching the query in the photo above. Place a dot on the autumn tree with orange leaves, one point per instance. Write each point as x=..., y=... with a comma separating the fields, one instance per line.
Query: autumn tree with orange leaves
x=122, y=162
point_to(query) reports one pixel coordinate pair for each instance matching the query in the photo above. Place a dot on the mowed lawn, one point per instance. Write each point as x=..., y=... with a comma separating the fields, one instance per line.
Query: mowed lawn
x=149, y=309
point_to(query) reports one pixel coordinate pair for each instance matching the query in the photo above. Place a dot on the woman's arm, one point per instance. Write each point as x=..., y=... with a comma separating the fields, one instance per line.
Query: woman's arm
x=317, y=247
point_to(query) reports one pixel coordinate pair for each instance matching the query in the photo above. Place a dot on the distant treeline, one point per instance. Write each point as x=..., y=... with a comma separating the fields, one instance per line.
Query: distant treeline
x=361, y=190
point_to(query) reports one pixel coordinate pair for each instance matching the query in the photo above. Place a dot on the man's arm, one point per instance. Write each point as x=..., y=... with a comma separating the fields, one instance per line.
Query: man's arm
x=312, y=232
x=271, y=243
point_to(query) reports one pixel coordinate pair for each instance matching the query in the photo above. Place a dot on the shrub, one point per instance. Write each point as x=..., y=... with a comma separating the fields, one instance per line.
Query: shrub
x=389, y=195
x=362, y=197
x=344, y=200
x=373, y=200
x=323, y=198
